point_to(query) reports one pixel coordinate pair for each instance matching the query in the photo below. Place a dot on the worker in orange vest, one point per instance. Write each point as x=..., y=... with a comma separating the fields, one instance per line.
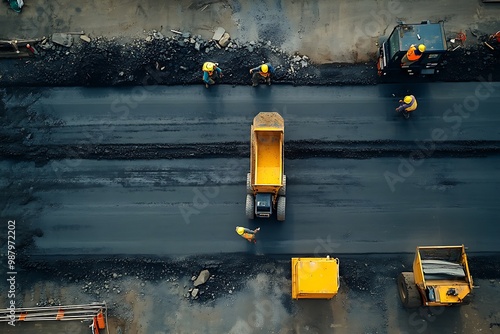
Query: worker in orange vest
x=407, y=105
x=247, y=233
x=413, y=54
x=211, y=72
x=262, y=73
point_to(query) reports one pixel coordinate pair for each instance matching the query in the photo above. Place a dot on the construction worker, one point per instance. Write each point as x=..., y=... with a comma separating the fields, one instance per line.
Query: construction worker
x=247, y=233
x=262, y=73
x=211, y=72
x=407, y=105
x=413, y=54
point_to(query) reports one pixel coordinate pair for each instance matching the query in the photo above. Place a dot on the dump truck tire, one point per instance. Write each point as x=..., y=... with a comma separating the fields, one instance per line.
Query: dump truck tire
x=280, y=211
x=249, y=208
x=282, y=191
x=408, y=292
x=249, y=185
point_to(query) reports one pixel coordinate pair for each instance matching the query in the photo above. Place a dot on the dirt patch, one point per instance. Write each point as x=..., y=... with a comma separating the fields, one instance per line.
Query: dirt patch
x=244, y=294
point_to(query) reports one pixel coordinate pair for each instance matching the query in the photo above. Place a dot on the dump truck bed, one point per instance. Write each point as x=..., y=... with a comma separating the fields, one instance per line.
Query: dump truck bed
x=267, y=150
x=268, y=162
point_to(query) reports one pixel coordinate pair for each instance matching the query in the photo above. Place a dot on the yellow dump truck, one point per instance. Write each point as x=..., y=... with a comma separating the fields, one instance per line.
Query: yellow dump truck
x=315, y=278
x=440, y=277
x=266, y=182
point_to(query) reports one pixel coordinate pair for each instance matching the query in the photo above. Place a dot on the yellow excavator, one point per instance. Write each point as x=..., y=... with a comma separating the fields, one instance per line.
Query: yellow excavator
x=440, y=277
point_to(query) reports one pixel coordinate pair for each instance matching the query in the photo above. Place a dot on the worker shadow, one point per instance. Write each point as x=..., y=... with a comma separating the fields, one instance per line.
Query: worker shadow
x=272, y=238
x=262, y=92
x=213, y=99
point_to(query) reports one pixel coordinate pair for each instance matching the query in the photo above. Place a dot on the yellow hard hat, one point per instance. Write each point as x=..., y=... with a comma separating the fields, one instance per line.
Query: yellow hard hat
x=421, y=48
x=407, y=99
x=240, y=230
x=264, y=68
x=208, y=66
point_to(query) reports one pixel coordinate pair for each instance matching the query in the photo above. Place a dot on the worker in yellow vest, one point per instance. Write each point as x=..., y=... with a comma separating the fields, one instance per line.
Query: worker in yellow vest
x=211, y=72
x=247, y=233
x=407, y=105
x=413, y=54
x=262, y=73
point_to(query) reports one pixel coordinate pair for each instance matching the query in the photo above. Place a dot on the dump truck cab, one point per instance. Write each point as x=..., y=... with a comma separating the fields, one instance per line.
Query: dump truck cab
x=266, y=182
x=393, y=49
x=440, y=277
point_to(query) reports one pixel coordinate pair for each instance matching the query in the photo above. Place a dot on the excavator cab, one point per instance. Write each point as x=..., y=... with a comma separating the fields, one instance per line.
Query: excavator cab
x=393, y=49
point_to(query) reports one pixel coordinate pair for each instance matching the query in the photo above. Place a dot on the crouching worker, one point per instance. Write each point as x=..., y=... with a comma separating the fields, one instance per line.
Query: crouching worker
x=211, y=72
x=247, y=233
x=412, y=55
x=407, y=105
x=262, y=74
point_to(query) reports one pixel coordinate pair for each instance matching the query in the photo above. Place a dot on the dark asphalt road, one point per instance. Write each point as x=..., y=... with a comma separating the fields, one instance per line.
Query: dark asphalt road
x=182, y=115
x=189, y=205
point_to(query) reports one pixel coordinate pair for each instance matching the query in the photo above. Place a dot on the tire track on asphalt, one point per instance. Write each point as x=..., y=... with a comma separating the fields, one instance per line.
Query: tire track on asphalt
x=293, y=150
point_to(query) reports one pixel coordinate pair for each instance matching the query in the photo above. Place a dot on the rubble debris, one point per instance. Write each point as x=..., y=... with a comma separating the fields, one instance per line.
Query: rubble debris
x=202, y=277
x=85, y=38
x=224, y=41
x=158, y=35
x=218, y=33
x=62, y=39
x=194, y=293
x=176, y=49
